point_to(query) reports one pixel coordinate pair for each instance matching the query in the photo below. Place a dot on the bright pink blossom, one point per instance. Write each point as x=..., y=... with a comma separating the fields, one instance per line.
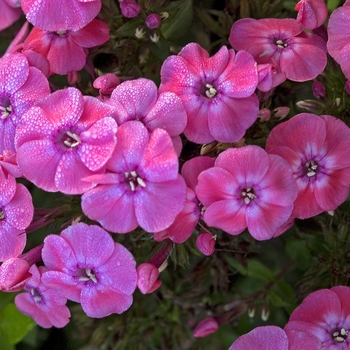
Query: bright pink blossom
x=20, y=87
x=10, y=12
x=16, y=213
x=299, y=55
x=316, y=147
x=185, y=222
x=207, y=326
x=45, y=305
x=87, y=266
x=311, y=13
x=240, y=192
x=205, y=243
x=64, y=138
x=339, y=37
x=66, y=50
x=325, y=315
x=147, y=278
x=54, y=15
x=141, y=186
x=139, y=100
x=273, y=338
x=217, y=92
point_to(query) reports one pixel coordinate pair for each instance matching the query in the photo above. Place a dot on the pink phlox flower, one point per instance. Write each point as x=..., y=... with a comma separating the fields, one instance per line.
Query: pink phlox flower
x=21, y=86
x=339, y=36
x=8, y=164
x=66, y=50
x=10, y=12
x=141, y=186
x=205, y=243
x=16, y=213
x=64, y=138
x=106, y=84
x=217, y=92
x=299, y=55
x=205, y=327
x=147, y=278
x=129, y=8
x=239, y=192
x=316, y=147
x=185, y=222
x=54, y=15
x=311, y=13
x=45, y=305
x=139, y=100
x=87, y=266
x=324, y=315
x=263, y=338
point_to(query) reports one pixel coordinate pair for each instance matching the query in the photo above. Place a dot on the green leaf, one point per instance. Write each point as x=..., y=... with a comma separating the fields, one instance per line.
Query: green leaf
x=299, y=252
x=236, y=265
x=14, y=325
x=180, y=18
x=258, y=270
x=332, y=4
x=5, y=345
x=277, y=300
x=128, y=29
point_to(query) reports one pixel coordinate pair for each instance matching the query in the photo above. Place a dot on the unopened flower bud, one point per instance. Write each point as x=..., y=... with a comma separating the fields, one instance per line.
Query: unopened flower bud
x=312, y=106
x=130, y=8
x=251, y=312
x=205, y=243
x=264, y=115
x=207, y=326
x=336, y=102
x=280, y=112
x=164, y=15
x=147, y=278
x=153, y=21
x=318, y=90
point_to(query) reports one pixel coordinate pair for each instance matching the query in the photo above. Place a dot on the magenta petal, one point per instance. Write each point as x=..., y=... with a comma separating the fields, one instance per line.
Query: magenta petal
x=228, y=215
x=93, y=34
x=159, y=162
x=119, y=272
x=14, y=274
x=262, y=338
x=205, y=243
x=119, y=215
x=64, y=284
x=302, y=340
x=157, y=205
x=8, y=187
x=101, y=303
x=98, y=143
x=91, y=245
x=12, y=241
x=19, y=212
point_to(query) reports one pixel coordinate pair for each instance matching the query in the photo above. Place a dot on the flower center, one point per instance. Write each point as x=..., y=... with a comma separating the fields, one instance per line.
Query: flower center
x=87, y=275
x=134, y=180
x=36, y=295
x=248, y=194
x=5, y=107
x=210, y=91
x=281, y=44
x=310, y=168
x=61, y=32
x=2, y=215
x=72, y=140
x=339, y=336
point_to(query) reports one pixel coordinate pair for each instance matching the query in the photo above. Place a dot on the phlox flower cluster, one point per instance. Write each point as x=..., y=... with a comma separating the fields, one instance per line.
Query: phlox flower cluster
x=123, y=153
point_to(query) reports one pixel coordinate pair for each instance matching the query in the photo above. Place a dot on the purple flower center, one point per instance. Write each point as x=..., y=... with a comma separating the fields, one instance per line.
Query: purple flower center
x=71, y=139
x=134, y=180
x=281, y=44
x=5, y=107
x=86, y=275
x=310, y=168
x=35, y=295
x=210, y=91
x=248, y=194
x=340, y=335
